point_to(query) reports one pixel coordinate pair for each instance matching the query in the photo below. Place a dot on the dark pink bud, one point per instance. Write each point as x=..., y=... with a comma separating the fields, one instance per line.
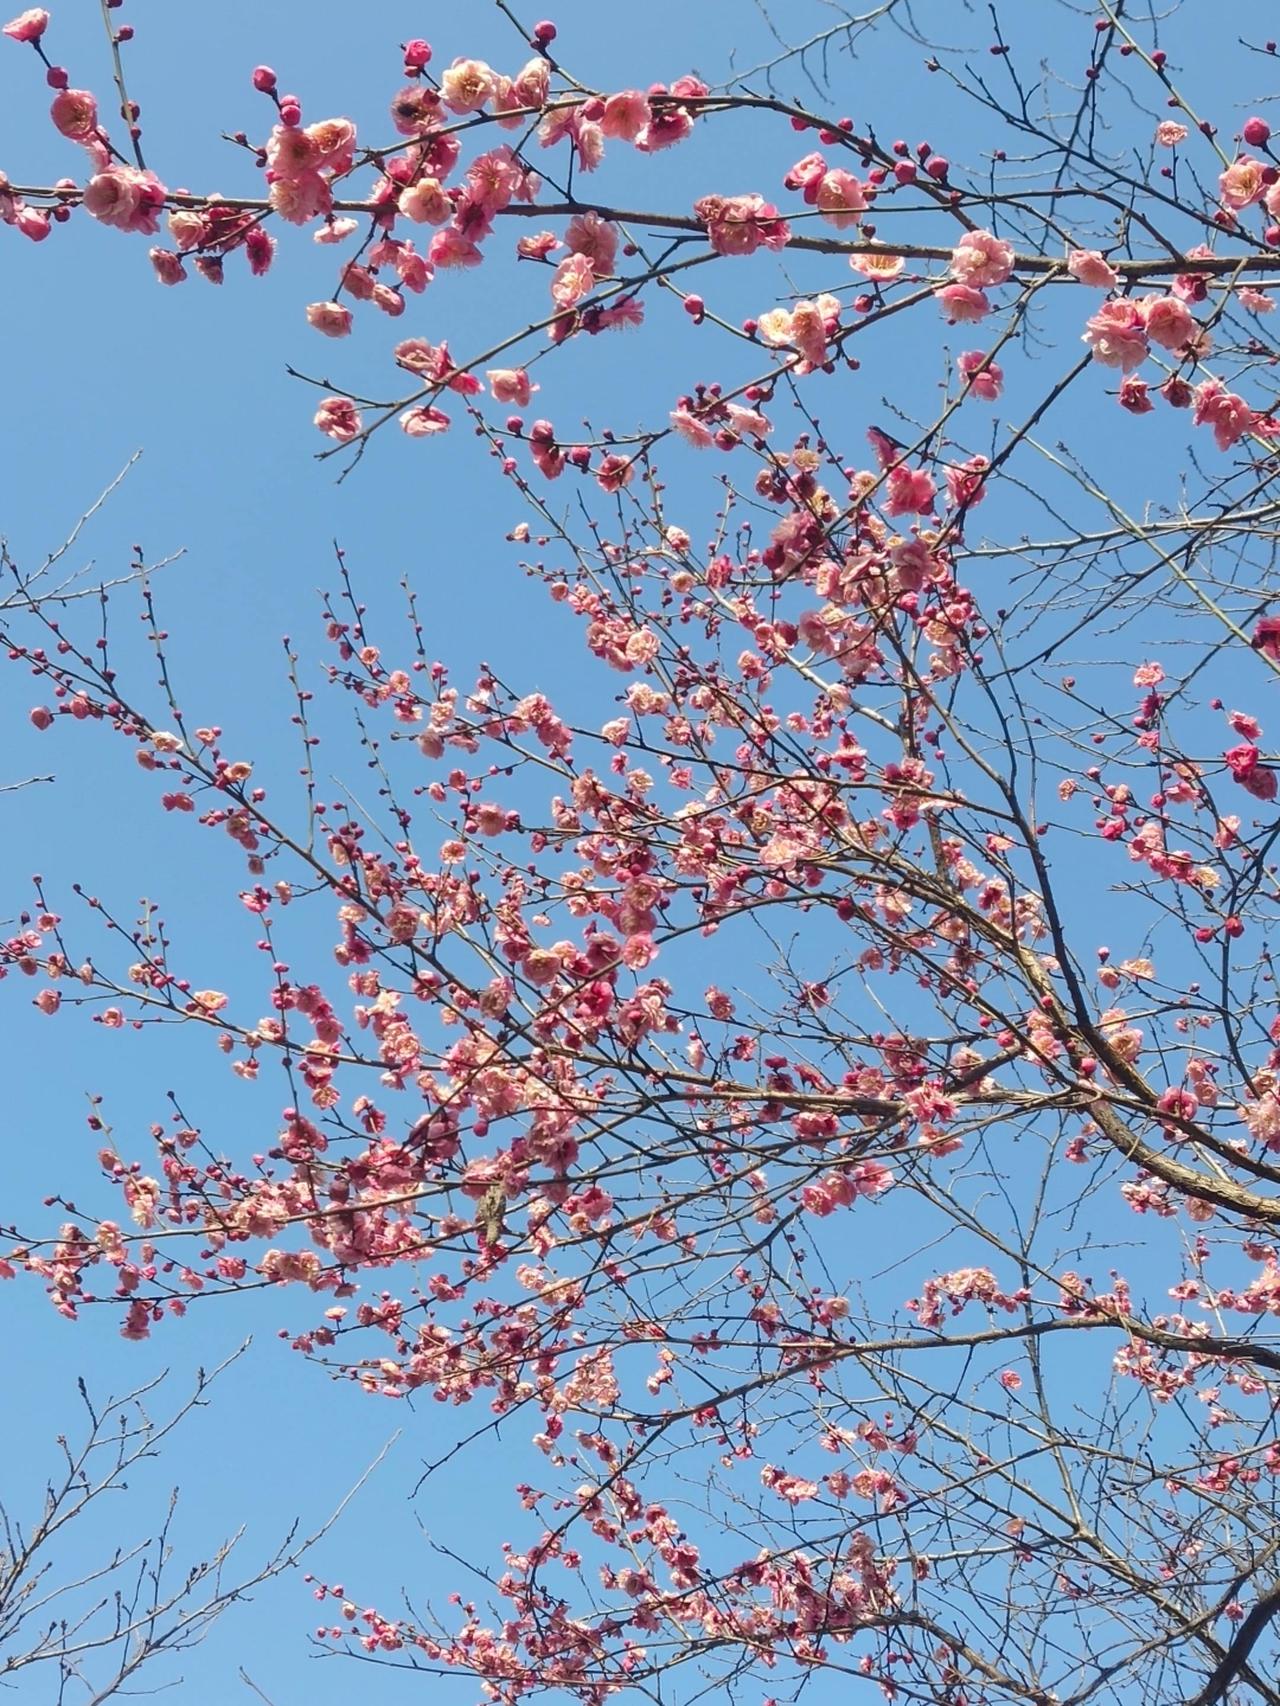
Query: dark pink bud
x=290, y=111
x=57, y=77
x=938, y=167
x=544, y=33
x=417, y=53
x=1256, y=132
x=41, y=716
x=264, y=80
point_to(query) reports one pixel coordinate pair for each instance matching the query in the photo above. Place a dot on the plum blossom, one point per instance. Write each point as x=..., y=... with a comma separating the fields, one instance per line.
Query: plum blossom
x=331, y=318
x=962, y=304
x=426, y=202
x=984, y=381
x=574, y=279
x=1242, y=183
x=75, y=114
x=1117, y=335
x=626, y=114
x=1088, y=266
x=1169, y=133
x=741, y=224
x=467, y=85
x=982, y=260
x=338, y=417
x=126, y=198
x=28, y=26
x=1229, y=415
x=841, y=198
x=510, y=385
x=1168, y=320
x=911, y=491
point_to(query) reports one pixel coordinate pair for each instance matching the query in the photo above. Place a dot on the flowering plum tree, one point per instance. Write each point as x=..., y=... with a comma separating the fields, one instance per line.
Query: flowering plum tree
x=732, y=1089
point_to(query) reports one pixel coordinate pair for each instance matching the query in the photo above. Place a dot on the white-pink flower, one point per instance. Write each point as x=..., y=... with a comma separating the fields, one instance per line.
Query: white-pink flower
x=981, y=259
x=1087, y=266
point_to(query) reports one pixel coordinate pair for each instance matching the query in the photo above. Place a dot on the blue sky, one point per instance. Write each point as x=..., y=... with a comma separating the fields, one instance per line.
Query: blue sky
x=100, y=363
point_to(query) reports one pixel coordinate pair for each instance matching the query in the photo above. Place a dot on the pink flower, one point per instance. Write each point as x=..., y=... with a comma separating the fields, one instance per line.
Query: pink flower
x=424, y=422
x=1229, y=415
x=48, y=1001
x=169, y=267
x=333, y=142
x=75, y=114
x=1087, y=266
x=331, y=318
x=574, y=279
x=1241, y=184
x=626, y=114
x=741, y=224
x=876, y=265
x=1169, y=322
x=1117, y=336
x=691, y=429
x=984, y=382
x=510, y=385
x=1256, y=301
x=126, y=198
x=426, y=202
x=1169, y=133
x=41, y=717
x=962, y=304
x=453, y=248
x=27, y=26
x=338, y=417
x=981, y=259
x=1134, y=395
x=467, y=85
x=595, y=238
x=841, y=198
x=1010, y=1380
x=911, y=491
x=298, y=199
x=967, y=482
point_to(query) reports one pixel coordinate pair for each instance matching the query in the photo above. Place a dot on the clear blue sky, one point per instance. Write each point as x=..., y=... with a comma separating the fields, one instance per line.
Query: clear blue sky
x=99, y=362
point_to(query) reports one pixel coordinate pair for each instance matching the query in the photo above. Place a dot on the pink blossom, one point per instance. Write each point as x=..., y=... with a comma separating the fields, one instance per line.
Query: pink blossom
x=333, y=141
x=574, y=279
x=338, y=417
x=741, y=224
x=27, y=26
x=911, y=491
x=981, y=259
x=126, y=198
x=694, y=431
x=841, y=198
x=626, y=114
x=1117, y=336
x=1011, y=1380
x=1242, y=183
x=878, y=265
x=983, y=381
x=333, y=231
x=962, y=304
x=467, y=85
x=453, y=248
x=331, y=318
x=1255, y=301
x=426, y=202
x=1169, y=322
x=48, y=1000
x=1229, y=415
x=590, y=235
x=302, y=198
x=424, y=422
x=1087, y=266
x=510, y=385
x=169, y=267
x=1135, y=395
x=1169, y=133
x=967, y=482
x=75, y=114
